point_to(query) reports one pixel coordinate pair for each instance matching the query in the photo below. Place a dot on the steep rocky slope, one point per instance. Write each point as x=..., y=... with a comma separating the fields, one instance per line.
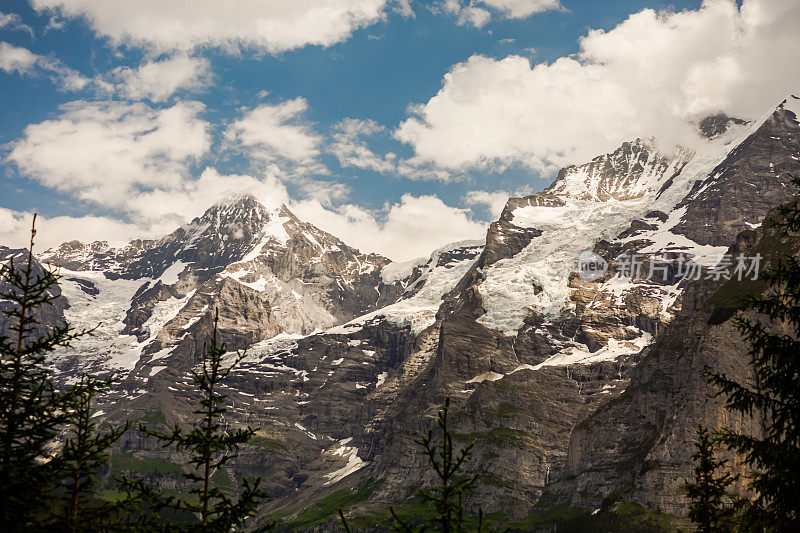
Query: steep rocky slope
x=639, y=446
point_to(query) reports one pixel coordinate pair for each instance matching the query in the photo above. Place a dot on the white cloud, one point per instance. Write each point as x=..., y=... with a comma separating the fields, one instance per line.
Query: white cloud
x=470, y=13
x=153, y=213
x=276, y=133
x=400, y=231
x=191, y=197
x=16, y=59
x=651, y=75
x=159, y=79
x=351, y=150
x=15, y=227
x=476, y=16
x=349, y=146
x=269, y=25
x=519, y=9
x=109, y=151
x=155, y=80
x=12, y=21
x=403, y=231
x=494, y=201
x=404, y=8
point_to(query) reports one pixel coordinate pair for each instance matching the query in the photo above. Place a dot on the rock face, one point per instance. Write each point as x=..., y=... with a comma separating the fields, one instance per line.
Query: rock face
x=753, y=178
x=576, y=386
x=639, y=446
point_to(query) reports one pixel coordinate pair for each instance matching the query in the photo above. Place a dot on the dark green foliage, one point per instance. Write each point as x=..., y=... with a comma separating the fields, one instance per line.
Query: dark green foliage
x=774, y=395
x=84, y=454
x=709, y=506
x=32, y=410
x=209, y=447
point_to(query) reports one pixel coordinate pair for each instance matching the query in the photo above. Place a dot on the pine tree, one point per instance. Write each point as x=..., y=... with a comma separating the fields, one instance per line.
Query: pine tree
x=446, y=498
x=32, y=410
x=774, y=339
x=209, y=448
x=709, y=506
x=85, y=453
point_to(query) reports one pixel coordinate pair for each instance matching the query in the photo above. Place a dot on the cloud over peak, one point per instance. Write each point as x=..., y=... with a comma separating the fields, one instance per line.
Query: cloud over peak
x=653, y=74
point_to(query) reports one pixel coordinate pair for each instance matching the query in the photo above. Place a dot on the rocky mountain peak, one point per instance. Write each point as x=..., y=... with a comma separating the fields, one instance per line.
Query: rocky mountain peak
x=630, y=171
x=715, y=125
x=242, y=208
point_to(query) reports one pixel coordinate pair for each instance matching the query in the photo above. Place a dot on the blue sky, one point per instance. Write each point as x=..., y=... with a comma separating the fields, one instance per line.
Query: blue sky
x=70, y=65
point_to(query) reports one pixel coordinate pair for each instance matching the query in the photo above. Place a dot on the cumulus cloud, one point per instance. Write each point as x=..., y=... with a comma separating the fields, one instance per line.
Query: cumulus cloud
x=270, y=25
x=475, y=16
x=157, y=80
x=153, y=213
x=653, y=74
x=402, y=231
x=109, y=151
x=135, y=160
x=15, y=227
x=16, y=59
x=349, y=147
x=276, y=133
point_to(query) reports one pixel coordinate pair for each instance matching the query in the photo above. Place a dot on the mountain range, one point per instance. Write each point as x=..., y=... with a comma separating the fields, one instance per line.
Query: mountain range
x=578, y=391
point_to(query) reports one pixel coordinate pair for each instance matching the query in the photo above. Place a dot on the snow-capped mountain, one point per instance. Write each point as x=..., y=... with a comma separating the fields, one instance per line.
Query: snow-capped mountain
x=265, y=270
x=350, y=355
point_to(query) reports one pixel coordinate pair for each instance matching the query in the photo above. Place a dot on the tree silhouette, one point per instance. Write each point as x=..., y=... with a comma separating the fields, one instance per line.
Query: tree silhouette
x=709, y=505
x=32, y=410
x=85, y=452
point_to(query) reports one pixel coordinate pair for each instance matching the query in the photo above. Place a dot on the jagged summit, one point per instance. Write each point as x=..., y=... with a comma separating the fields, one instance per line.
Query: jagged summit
x=242, y=209
x=630, y=171
x=235, y=203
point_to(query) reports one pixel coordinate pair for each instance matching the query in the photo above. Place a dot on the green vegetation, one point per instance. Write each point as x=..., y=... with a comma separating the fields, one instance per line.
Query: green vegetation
x=209, y=448
x=126, y=461
x=621, y=518
x=327, y=507
x=507, y=409
x=268, y=443
x=499, y=436
x=34, y=484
